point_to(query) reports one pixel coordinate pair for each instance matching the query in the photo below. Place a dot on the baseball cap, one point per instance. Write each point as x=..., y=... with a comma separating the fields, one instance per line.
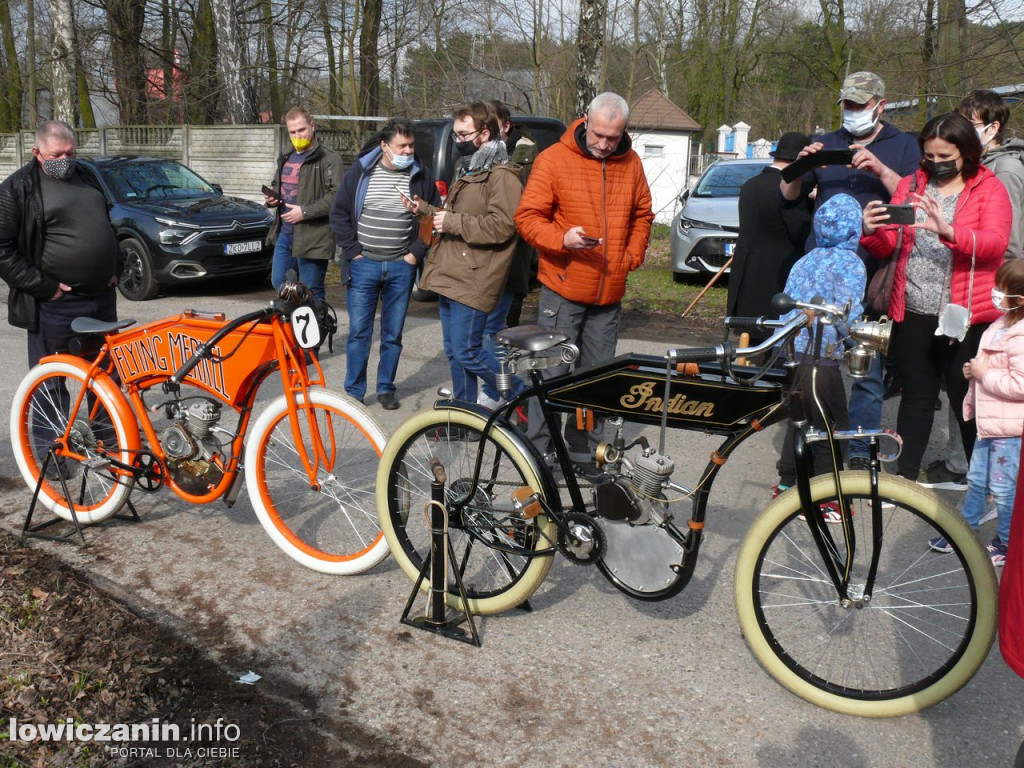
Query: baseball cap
x=861, y=87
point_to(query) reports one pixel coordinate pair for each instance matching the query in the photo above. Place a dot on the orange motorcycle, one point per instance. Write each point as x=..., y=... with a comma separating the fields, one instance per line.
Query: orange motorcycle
x=144, y=407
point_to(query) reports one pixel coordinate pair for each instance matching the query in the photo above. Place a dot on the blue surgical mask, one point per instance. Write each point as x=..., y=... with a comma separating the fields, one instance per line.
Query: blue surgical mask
x=401, y=162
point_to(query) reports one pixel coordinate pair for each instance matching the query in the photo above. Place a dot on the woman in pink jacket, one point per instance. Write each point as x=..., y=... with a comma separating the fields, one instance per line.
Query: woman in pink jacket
x=948, y=256
x=995, y=400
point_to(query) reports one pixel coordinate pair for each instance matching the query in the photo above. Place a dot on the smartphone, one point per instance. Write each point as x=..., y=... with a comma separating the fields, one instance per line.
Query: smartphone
x=900, y=214
x=590, y=240
x=403, y=193
x=822, y=157
x=271, y=193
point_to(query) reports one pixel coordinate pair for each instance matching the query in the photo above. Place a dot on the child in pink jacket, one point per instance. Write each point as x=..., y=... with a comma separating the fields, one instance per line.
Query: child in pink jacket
x=995, y=400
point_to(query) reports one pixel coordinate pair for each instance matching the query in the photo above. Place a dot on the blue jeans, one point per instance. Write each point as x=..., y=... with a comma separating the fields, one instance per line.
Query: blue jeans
x=994, y=464
x=469, y=359
x=311, y=271
x=390, y=282
x=496, y=324
x=866, y=398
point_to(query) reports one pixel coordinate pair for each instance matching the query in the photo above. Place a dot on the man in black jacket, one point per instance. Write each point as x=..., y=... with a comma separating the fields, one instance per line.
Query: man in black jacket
x=58, y=251
x=771, y=236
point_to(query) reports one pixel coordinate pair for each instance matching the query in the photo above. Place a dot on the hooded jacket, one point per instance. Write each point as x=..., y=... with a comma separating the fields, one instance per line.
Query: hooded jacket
x=832, y=271
x=469, y=263
x=608, y=197
x=1007, y=162
x=981, y=224
x=996, y=402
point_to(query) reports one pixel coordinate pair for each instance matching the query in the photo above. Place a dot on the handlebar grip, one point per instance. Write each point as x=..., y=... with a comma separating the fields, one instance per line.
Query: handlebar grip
x=701, y=354
x=745, y=323
x=192, y=362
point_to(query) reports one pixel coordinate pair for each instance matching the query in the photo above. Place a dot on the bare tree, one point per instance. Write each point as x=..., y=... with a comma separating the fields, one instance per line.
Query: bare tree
x=63, y=87
x=231, y=62
x=125, y=19
x=589, y=51
x=369, y=58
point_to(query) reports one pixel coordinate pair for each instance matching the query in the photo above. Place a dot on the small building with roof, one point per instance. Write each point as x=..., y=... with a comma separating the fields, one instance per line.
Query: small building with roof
x=662, y=134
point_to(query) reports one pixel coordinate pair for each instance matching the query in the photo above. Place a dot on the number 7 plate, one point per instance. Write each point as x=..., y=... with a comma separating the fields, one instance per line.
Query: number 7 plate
x=305, y=327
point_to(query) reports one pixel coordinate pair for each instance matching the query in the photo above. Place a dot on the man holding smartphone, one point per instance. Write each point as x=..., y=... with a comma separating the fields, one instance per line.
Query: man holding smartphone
x=380, y=248
x=587, y=211
x=883, y=154
x=304, y=186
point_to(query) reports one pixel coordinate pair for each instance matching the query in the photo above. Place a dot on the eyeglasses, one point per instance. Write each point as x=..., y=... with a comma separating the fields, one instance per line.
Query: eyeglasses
x=464, y=136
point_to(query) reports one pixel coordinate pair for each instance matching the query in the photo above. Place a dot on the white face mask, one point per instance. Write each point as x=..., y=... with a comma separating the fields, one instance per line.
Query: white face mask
x=859, y=122
x=999, y=299
x=981, y=135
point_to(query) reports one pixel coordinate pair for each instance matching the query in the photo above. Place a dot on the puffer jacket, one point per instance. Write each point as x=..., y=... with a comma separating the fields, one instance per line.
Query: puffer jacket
x=469, y=262
x=996, y=403
x=319, y=179
x=609, y=198
x=1011, y=591
x=981, y=222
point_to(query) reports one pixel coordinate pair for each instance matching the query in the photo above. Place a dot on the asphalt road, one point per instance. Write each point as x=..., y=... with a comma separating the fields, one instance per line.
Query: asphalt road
x=589, y=677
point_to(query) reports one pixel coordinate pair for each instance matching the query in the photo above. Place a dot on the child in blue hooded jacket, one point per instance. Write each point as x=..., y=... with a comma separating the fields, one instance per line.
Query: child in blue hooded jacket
x=834, y=272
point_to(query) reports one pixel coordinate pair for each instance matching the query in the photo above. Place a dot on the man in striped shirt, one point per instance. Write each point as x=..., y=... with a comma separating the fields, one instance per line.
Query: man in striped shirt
x=380, y=250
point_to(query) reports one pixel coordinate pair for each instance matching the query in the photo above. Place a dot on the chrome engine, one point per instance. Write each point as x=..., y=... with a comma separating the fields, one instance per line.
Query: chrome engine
x=190, y=444
x=633, y=491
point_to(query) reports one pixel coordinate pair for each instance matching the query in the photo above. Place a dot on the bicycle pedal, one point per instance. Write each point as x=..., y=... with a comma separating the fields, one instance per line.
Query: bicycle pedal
x=97, y=464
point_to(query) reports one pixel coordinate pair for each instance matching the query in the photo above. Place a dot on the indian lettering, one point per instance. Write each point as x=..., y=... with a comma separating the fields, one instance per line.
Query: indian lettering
x=641, y=397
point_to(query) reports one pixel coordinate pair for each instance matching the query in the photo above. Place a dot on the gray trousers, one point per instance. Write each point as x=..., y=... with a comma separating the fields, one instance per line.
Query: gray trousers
x=595, y=330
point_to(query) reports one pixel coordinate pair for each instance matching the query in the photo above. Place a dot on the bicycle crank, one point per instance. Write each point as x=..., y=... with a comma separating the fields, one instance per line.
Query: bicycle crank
x=581, y=539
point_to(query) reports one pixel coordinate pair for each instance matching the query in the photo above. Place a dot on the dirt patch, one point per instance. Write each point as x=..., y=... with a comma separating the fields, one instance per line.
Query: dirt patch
x=70, y=652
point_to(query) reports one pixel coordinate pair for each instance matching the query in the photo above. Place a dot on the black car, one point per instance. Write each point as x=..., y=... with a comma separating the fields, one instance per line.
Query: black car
x=175, y=228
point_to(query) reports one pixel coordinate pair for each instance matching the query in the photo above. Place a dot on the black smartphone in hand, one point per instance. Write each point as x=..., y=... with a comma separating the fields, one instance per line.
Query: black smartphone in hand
x=271, y=193
x=900, y=214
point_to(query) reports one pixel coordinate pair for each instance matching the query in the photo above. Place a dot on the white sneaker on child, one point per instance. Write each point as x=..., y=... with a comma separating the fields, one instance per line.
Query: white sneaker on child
x=488, y=402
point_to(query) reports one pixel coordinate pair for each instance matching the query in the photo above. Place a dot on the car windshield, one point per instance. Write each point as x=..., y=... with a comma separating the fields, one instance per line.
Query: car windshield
x=725, y=179
x=154, y=179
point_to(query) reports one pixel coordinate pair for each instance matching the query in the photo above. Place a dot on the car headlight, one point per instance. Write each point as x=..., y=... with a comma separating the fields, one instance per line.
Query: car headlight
x=175, y=232
x=685, y=224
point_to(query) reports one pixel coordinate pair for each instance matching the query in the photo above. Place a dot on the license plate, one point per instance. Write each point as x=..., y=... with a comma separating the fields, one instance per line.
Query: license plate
x=729, y=248
x=250, y=247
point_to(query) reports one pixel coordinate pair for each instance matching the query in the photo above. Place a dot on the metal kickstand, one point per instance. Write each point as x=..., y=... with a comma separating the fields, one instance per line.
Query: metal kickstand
x=31, y=531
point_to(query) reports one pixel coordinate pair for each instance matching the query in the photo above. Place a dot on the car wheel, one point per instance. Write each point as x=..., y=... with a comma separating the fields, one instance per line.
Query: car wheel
x=137, y=282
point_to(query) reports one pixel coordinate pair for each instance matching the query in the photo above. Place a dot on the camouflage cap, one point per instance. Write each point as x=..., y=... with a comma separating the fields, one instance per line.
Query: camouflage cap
x=861, y=87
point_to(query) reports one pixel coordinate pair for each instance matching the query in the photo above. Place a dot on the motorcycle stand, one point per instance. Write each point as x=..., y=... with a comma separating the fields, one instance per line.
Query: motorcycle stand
x=30, y=531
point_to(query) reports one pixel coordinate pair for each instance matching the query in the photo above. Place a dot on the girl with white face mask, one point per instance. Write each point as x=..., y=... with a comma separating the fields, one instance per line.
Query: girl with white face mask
x=995, y=399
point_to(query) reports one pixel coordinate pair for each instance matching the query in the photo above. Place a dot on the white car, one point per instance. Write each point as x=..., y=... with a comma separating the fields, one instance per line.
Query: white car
x=704, y=232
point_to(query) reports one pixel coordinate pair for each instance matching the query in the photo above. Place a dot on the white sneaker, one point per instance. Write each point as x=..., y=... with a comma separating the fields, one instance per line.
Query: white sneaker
x=487, y=402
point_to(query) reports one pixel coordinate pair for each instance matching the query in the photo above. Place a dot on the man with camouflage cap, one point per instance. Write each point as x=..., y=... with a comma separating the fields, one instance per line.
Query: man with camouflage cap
x=883, y=154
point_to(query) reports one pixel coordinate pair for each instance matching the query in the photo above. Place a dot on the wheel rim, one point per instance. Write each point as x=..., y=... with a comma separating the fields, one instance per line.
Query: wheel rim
x=44, y=416
x=133, y=270
x=917, y=626
x=338, y=522
x=486, y=571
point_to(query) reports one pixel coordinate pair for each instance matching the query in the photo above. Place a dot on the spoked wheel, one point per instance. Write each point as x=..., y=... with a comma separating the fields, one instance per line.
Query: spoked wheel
x=39, y=416
x=330, y=524
x=494, y=543
x=926, y=629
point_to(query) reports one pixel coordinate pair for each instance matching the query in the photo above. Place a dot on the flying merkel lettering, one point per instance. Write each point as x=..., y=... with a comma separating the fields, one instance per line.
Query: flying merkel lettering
x=641, y=397
x=165, y=354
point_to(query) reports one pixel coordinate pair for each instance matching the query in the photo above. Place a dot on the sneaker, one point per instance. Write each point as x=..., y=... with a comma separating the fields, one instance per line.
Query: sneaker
x=997, y=551
x=991, y=514
x=388, y=401
x=489, y=402
x=940, y=545
x=937, y=476
x=777, y=489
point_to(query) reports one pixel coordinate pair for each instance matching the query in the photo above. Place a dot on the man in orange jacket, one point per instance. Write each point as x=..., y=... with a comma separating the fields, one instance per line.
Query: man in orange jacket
x=587, y=211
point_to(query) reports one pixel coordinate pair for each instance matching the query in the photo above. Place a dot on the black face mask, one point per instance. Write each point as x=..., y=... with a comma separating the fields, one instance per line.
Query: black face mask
x=465, y=148
x=943, y=170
